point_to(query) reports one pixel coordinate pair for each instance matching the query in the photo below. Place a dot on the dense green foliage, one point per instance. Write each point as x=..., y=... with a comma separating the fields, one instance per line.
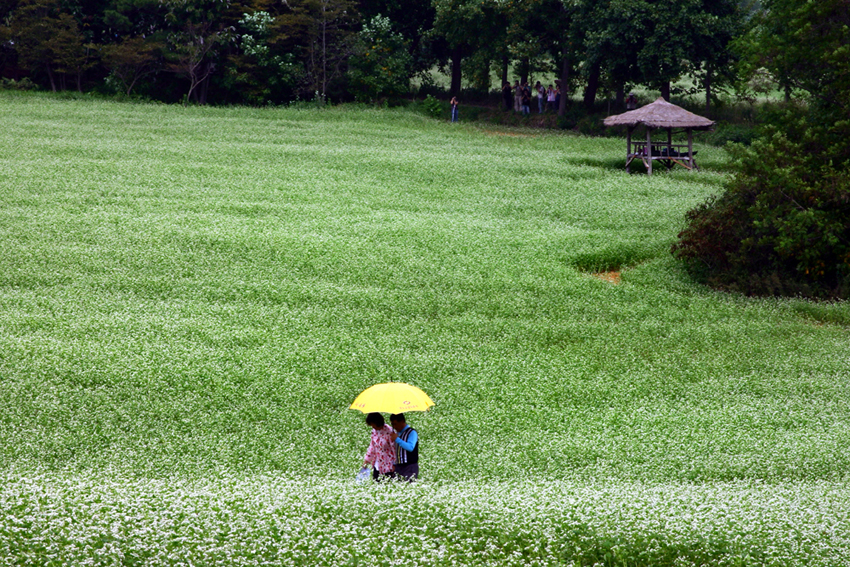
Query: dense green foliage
x=780, y=228
x=383, y=64
x=258, y=51
x=783, y=224
x=191, y=297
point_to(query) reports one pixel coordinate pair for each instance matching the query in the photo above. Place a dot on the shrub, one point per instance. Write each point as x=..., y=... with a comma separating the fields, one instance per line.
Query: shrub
x=783, y=225
x=24, y=84
x=781, y=228
x=725, y=132
x=591, y=126
x=432, y=107
x=573, y=114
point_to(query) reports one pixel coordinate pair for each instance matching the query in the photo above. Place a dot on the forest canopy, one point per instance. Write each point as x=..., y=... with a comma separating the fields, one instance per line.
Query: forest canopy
x=264, y=51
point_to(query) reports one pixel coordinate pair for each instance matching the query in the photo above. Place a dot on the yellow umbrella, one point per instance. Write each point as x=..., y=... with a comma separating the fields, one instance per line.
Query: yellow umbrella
x=393, y=397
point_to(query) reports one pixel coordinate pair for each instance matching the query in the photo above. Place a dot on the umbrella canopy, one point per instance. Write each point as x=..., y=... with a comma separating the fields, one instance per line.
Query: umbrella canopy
x=392, y=397
x=660, y=114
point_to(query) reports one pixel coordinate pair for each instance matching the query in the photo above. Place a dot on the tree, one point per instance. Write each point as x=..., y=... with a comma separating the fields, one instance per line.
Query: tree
x=463, y=24
x=321, y=32
x=711, y=56
x=258, y=71
x=122, y=19
x=48, y=40
x=783, y=224
x=190, y=54
x=381, y=65
x=200, y=30
x=131, y=60
x=70, y=55
x=650, y=42
x=413, y=20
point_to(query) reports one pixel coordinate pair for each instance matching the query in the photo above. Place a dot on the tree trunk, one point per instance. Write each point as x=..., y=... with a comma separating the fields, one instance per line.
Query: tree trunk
x=203, y=89
x=565, y=82
x=504, y=71
x=192, y=95
x=523, y=71
x=324, y=54
x=665, y=90
x=52, y=79
x=621, y=96
x=484, y=78
x=592, y=86
x=457, y=53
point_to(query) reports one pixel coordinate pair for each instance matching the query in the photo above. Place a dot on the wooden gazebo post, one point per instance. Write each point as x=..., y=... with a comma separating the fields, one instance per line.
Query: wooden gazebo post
x=649, y=150
x=691, y=149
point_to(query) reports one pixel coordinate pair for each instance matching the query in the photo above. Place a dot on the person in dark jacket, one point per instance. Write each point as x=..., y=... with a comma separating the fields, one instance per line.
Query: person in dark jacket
x=507, y=97
x=407, y=448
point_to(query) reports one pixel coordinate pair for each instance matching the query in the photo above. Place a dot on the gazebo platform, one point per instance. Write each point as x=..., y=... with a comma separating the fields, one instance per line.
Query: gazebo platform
x=655, y=116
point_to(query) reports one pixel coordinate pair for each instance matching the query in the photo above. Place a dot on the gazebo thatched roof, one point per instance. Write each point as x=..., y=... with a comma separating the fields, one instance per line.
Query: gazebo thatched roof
x=660, y=114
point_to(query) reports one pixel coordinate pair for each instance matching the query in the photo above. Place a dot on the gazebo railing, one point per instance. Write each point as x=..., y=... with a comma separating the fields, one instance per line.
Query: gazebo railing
x=660, y=150
x=668, y=154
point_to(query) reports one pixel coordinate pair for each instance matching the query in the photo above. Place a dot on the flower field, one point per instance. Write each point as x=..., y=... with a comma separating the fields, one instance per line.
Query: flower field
x=191, y=297
x=269, y=520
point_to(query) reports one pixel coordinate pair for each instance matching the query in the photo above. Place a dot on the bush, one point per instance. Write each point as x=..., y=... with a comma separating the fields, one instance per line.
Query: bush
x=591, y=126
x=725, y=132
x=781, y=228
x=23, y=85
x=432, y=107
x=572, y=115
x=783, y=225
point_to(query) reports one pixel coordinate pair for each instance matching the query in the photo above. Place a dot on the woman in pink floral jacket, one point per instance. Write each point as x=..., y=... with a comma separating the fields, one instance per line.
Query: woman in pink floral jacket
x=381, y=451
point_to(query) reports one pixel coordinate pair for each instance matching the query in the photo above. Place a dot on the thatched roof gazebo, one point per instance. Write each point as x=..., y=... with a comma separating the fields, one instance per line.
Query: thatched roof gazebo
x=657, y=115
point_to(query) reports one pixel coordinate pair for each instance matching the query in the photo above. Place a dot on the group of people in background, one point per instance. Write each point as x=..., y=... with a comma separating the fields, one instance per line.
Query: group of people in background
x=520, y=97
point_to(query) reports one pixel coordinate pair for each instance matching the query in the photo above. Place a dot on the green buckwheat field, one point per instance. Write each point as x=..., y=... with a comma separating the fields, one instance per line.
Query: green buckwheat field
x=191, y=297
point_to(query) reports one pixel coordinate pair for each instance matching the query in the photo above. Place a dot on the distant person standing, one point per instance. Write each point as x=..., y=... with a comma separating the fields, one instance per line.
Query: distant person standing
x=454, y=104
x=631, y=102
x=506, y=96
x=525, y=101
x=517, y=97
x=550, y=98
x=541, y=97
x=557, y=95
x=407, y=448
